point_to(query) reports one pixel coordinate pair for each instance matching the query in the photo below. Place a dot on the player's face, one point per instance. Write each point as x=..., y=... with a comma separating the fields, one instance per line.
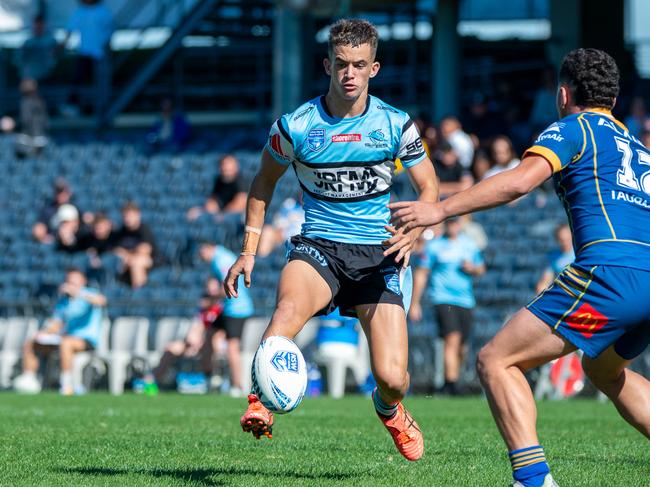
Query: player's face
x=350, y=68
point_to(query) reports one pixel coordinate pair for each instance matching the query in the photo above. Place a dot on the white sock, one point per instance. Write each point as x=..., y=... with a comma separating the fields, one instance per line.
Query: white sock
x=66, y=380
x=31, y=375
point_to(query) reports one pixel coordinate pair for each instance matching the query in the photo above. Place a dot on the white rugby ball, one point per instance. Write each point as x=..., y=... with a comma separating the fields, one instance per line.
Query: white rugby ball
x=279, y=374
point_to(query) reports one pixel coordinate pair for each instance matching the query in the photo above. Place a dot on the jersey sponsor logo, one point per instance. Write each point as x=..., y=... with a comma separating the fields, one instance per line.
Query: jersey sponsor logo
x=276, y=146
x=377, y=139
x=316, y=140
x=388, y=109
x=630, y=198
x=552, y=136
x=555, y=127
x=552, y=132
x=311, y=252
x=304, y=112
x=587, y=320
x=352, y=182
x=346, y=138
x=415, y=147
x=285, y=361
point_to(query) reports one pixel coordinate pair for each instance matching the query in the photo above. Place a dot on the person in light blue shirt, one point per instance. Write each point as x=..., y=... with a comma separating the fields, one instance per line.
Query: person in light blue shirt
x=447, y=266
x=557, y=259
x=75, y=326
x=235, y=311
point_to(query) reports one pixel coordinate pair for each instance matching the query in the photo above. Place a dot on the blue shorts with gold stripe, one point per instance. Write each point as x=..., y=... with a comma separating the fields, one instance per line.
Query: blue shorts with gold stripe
x=596, y=307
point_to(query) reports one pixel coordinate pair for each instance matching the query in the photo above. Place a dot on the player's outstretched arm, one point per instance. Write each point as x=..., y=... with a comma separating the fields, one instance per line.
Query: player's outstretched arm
x=258, y=200
x=424, y=180
x=497, y=190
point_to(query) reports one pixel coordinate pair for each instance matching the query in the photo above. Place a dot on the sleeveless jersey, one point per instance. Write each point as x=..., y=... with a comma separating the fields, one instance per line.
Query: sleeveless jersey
x=345, y=166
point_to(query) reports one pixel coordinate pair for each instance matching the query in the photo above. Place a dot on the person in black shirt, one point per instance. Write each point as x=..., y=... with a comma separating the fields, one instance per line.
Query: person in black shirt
x=228, y=192
x=135, y=246
x=453, y=177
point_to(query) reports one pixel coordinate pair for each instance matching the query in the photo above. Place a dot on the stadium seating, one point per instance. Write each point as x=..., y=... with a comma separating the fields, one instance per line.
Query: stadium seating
x=15, y=330
x=128, y=342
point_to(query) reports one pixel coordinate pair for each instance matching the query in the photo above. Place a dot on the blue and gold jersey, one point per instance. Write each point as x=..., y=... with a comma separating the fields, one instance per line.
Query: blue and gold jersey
x=345, y=166
x=602, y=176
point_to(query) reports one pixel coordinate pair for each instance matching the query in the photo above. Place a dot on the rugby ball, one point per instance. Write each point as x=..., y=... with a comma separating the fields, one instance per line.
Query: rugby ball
x=279, y=374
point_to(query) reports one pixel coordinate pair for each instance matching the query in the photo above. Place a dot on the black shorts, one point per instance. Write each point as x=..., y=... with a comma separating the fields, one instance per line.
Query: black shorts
x=356, y=273
x=453, y=318
x=232, y=326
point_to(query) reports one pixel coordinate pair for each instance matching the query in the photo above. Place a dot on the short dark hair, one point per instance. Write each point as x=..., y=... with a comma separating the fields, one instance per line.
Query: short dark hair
x=130, y=206
x=592, y=76
x=352, y=32
x=75, y=270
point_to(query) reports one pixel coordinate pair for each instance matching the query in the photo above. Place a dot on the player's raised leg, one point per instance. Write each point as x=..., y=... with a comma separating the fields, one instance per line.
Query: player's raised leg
x=523, y=343
x=302, y=292
x=629, y=391
x=385, y=328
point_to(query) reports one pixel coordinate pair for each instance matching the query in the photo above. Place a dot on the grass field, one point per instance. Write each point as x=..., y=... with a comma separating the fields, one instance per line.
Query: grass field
x=195, y=440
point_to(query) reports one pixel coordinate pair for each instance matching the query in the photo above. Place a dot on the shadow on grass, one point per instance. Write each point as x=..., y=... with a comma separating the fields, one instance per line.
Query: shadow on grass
x=205, y=476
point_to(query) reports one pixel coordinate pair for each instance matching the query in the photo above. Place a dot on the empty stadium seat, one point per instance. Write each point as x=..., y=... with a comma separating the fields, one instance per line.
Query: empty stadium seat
x=128, y=340
x=16, y=331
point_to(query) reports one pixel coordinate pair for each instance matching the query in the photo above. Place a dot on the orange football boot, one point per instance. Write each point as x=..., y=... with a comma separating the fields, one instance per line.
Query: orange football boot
x=406, y=434
x=257, y=419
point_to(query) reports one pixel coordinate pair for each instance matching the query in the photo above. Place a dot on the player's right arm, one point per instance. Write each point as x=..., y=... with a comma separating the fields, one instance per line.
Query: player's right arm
x=258, y=200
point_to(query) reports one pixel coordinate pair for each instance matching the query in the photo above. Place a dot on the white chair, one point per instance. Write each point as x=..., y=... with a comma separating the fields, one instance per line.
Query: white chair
x=83, y=359
x=166, y=330
x=250, y=341
x=128, y=341
x=16, y=330
x=338, y=357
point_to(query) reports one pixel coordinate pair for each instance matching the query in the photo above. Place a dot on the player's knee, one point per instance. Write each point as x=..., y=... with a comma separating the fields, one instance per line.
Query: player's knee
x=285, y=312
x=486, y=361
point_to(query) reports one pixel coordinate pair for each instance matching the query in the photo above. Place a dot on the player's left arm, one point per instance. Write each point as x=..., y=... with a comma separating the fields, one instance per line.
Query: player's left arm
x=497, y=190
x=424, y=180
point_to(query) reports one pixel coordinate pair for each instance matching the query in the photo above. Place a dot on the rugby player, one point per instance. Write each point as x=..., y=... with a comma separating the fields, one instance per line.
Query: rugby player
x=343, y=148
x=599, y=303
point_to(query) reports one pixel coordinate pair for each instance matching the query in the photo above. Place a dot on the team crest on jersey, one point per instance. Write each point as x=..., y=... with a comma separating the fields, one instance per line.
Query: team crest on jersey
x=377, y=139
x=316, y=140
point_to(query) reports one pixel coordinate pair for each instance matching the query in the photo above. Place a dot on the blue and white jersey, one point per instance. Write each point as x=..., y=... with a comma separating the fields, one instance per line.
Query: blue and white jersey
x=448, y=283
x=80, y=318
x=241, y=306
x=345, y=166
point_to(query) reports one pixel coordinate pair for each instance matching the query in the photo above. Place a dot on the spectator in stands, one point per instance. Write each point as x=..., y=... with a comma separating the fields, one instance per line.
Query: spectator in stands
x=171, y=131
x=557, y=259
x=503, y=156
x=544, y=112
x=481, y=164
x=34, y=120
x=447, y=265
x=235, y=311
x=135, y=246
x=98, y=244
x=452, y=175
x=228, y=194
x=75, y=326
x=287, y=222
x=37, y=56
x=94, y=23
x=637, y=122
x=201, y=338
x=68, y=228
x=452, y=131
x=430, y=140
x=45, y=227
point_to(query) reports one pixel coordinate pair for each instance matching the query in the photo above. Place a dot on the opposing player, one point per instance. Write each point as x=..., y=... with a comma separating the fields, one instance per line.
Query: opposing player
x=343, y=148
x=600, y=302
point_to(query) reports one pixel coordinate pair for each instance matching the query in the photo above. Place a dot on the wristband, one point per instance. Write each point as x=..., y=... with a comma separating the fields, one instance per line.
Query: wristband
x=251, y=240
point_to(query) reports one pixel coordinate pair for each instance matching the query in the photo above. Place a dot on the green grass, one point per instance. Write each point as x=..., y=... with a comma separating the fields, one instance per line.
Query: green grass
x=195, y=440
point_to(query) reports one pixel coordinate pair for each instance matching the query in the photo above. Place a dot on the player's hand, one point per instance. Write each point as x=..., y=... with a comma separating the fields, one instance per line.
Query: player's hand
x=407, y=215
x=243, y=265
x=415, y=313
x=401, y=242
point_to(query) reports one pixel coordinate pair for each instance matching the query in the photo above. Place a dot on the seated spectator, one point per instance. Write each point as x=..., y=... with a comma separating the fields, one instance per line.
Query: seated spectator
x=201, y=340
x=32, y=138
x=503, y=156
x=75, y=327
x=235, y=311
x=37, y=56
x=98, y=243
x=451, y=174
x=287, y=222
x=452, y=131
x=171, y=131
x=135, y=246
x=228, y=194
x=557, y=259
x=68, y=228
x=45, y=227
x=481, y=164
